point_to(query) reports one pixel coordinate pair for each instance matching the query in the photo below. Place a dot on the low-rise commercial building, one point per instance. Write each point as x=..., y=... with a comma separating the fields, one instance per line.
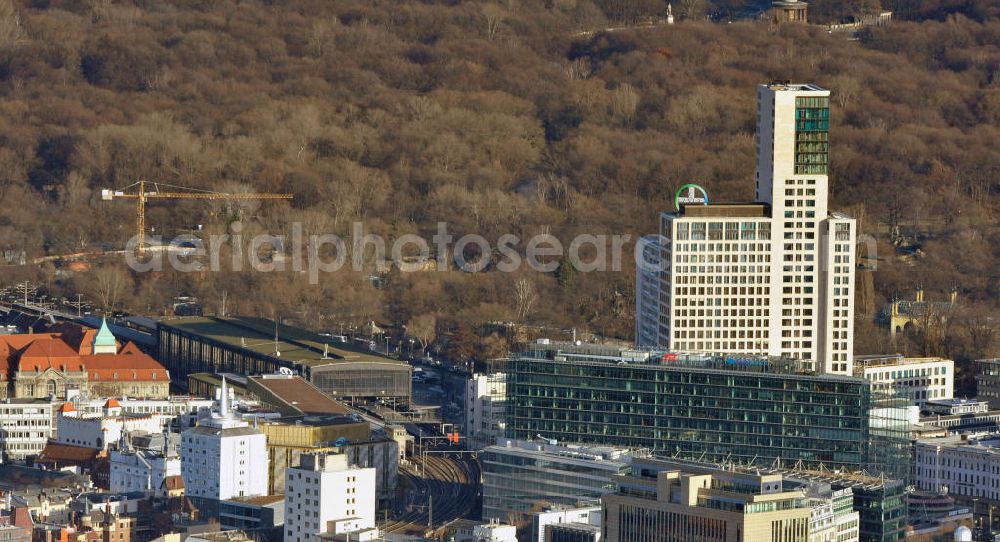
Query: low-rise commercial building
x=254, y=514
x=970, y=423
x=573, y=532
x=470, y=531
x=25, y=427
x=919, y=379
x=520, y=475
x=563, y=515
x=288, y=439
x=878, y=500
x=719, y=506
x=988, y=381
x=843, y=506
x=955, y=407
x=961, y=466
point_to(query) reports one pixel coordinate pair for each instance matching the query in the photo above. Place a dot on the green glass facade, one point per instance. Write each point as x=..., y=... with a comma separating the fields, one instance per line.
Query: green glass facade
x=745, y=411
x=812, y=134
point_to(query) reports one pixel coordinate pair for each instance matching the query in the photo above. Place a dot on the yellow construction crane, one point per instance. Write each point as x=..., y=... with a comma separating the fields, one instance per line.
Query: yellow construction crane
x=142, y=195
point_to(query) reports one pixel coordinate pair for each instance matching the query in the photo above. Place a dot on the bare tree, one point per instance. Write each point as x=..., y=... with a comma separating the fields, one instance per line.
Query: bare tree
x=423, y=328
x=108, y=285
x=494, y=18
x=524, y=297
x=624, y=103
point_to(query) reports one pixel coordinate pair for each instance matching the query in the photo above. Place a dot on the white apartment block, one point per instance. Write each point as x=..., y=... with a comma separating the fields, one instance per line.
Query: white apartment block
x=25, y=427
x=485, y=405
x=919, y=379
x=223, y=457
x=774, y=277
x=959, y=465
x=326, y=496
x=141, y=470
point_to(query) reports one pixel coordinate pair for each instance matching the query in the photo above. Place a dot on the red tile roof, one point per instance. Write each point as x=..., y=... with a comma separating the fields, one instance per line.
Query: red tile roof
x=11, y=347
x=67, y=407
x=70, y=351
x=48, y=348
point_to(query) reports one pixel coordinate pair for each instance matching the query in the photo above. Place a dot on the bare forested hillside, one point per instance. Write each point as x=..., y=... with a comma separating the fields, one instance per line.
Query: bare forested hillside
x=517, y=116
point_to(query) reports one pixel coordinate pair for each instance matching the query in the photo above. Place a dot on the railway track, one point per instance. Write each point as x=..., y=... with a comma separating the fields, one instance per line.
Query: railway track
x=451, y=483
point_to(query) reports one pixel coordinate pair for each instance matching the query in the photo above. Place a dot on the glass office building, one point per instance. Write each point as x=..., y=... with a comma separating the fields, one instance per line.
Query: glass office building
x=745, y=410
x=521, y=477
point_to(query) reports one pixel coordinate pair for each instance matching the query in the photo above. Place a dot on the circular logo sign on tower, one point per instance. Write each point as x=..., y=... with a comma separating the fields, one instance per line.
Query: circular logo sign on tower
x=690, y=194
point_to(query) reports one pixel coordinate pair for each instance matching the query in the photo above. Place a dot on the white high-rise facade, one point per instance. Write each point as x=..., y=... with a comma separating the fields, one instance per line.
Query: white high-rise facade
x=773, y=277
x=223, y=457
x=647, y=290
x=326, y=495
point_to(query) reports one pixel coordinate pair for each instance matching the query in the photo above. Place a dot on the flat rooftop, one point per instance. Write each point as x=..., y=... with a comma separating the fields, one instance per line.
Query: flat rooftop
x=791, y=475
x=294, y=345
x=726, y=210
x=311, y=420
x=262, y=500
x=890, y=360
x=653, y=359
x=607, y=455
x=954, y=402
x=795, y=87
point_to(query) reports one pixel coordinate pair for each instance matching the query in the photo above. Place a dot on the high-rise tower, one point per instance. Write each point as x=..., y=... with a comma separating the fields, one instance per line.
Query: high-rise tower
x=774, y=276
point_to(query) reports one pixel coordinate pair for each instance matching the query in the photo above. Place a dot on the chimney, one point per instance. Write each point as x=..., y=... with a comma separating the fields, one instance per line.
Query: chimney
x=920, y=294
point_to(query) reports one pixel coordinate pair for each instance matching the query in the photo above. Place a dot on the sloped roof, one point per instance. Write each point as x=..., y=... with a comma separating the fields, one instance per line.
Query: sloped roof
x=67, y=453
x=70, y=350
x=131, y=364
x=79, y=338
x=48, y=348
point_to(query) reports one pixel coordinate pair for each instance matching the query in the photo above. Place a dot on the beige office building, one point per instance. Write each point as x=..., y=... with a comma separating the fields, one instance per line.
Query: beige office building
x=717, y=507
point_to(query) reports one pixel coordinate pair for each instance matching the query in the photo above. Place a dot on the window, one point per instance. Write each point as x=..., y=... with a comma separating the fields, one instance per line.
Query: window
x=812, y=126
